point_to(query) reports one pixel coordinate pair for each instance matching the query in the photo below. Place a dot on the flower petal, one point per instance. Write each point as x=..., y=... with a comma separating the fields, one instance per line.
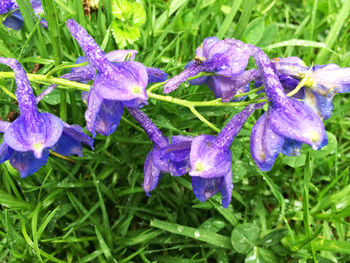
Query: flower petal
x=42, y=133
x=204, y=188
x=151, y=174
x=108, y=117
x=126, y=82
x=4, y=125
x=121, y=55
x=26, y=163
x=207, y=161
x=297, y=121
x=156, y=75
x=5, y=152
x=291, y=147
x=265, y=144
x=94, y=102
x=14, y=21
x=71, y=140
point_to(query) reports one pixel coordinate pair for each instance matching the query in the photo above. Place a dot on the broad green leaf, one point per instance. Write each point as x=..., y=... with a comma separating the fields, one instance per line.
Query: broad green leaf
x=295, y=161
x=273, y=237
x=254, y=31
x=244, y=237
x=260, y=255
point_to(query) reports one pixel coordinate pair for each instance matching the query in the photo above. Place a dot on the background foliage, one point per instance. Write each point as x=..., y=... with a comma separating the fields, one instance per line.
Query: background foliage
x=93, y=209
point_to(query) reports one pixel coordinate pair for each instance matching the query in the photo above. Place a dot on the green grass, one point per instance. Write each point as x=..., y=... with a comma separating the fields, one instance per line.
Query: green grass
x=93, y=209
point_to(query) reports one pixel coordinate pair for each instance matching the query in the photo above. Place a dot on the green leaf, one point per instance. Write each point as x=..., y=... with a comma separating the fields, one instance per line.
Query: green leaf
x=254, y=31
x=273, y=237
x=260, y=255
x=129, y=12
x=244, y=237
x=195, y=233
x=124, y=35
x=295, y=161
x=269, y=35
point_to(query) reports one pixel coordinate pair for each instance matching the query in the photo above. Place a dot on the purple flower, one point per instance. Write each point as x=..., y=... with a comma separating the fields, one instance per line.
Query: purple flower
x=115, y=85
x=287, y=118
x=322, y=84
x=211, y=160
x=110, y=113
x=227, y=58
x=15, y=20
x=165, y=157
x=6, y=6
x=28, y=139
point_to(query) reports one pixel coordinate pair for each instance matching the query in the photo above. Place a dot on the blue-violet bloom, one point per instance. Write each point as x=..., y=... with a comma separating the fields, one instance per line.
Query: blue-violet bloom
x=211, y=159
x=227, y=58
x=164, y=157
x=15, y=19
x=124, y=82
x=287, y=118
x=27, y=140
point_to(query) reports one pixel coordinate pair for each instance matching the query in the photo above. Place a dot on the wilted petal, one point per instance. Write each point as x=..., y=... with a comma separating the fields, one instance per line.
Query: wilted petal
x=36, y=136
x=265, y=144
x=207, y=161
x=151, y=174
x=26, y=163
x=297, y=121
x=108, y=117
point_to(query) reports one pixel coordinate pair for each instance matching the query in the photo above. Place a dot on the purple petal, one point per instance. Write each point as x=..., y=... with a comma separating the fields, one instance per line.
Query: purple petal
x=121, y=55
x=126, y=82
x=204, y=49
x=5, y=152
x=108, y=117
x=297, y=121
x=42, y=133
x=207, y=161
x=291, y=147
x=94, y=102
x=159, y=160
x=151, y=174
x=14, y=21
x=6, y=6
x=156, y=75
x=323, y=106
x=231, y=57
x=71, y=141
x=331, y=80
x=4, y=125
x=26, y=163
x=265, y=144
x=204, y=188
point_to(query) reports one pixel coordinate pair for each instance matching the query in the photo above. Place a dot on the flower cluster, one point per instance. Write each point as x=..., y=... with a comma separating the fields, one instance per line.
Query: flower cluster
x=298, y=99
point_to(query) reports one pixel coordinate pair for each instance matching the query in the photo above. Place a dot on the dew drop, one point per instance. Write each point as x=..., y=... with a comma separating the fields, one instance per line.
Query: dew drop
x=197, y=234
